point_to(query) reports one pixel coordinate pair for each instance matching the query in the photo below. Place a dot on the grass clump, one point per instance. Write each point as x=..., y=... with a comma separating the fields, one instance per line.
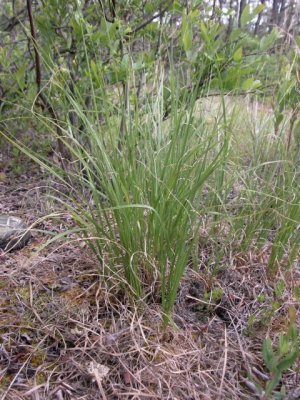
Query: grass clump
x=143, y=197
x=135, y=187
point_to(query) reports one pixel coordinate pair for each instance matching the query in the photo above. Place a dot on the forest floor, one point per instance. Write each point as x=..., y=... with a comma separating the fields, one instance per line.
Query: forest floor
x=67, y=334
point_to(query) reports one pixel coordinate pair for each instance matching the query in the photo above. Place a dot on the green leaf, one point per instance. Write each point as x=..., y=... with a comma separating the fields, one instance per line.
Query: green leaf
x=287, y=362
x=268, y=354
x=279, y=119
x=283, y=345
x=187, y=34
x=204, y=33
x=251, y=84
x=272, y=383
x=187, y=40
x=293, y=332
x=112, y=31
x=44, y=25
x=246, y=16
x=20, y=76
x=177, y=6
x=258, y=9
x=94, y=68
x=269, y=40
x=238, y=54
x=31, y=93
x=69, y=41
x=150, y=7
x=235, y=34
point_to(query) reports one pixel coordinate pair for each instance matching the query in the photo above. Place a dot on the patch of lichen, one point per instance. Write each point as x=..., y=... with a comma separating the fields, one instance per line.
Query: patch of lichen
x=23, y=292
x=73, y=297
x=38, y=358
x=41, y=300
x=3, y=330
x=25, y=329
x=3, y=284
x=40, y=378
x=5, y=381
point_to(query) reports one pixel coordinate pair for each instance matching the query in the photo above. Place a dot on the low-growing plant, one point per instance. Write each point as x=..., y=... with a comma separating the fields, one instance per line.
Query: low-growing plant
x=279, y=360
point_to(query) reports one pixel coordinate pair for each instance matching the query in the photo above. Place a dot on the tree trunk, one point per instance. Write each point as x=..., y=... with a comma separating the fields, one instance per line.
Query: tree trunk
x=213, y=10
x=231, y=19
x=282, y=13
x=257, y=23
x=292, y=23
x=274, y=15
